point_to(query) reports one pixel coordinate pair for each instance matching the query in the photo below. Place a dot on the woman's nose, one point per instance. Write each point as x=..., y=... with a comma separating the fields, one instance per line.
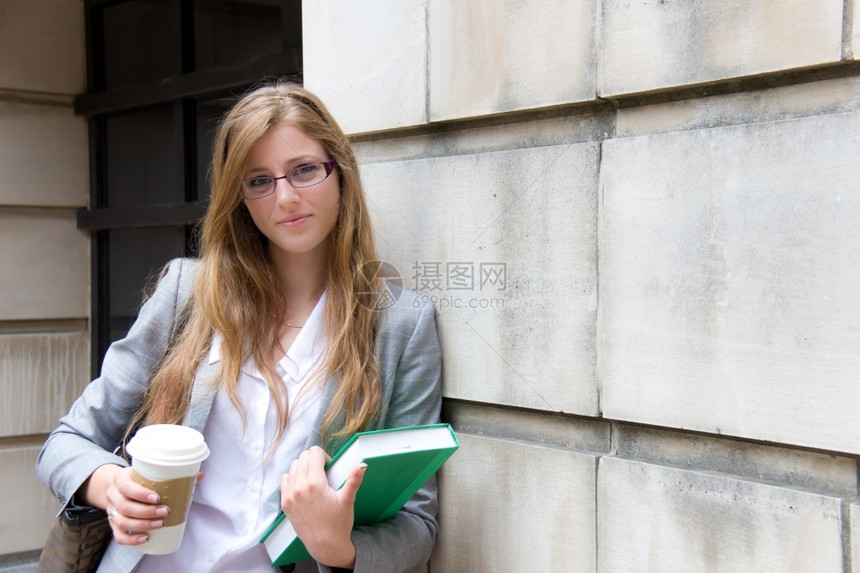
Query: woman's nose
x=285, y=191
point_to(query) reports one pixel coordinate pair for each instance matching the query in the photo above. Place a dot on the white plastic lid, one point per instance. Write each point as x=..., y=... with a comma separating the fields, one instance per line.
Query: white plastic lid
x=168, y=444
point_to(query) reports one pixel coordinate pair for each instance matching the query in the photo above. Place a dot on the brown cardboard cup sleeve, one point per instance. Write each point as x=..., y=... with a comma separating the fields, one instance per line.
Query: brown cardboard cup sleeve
x=175, y=494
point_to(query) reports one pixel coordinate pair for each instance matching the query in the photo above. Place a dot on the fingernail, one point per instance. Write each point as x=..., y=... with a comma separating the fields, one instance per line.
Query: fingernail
x=157, y=523
x=362, y=466
x=152, y=498
x=142, y=539
x=161, y=511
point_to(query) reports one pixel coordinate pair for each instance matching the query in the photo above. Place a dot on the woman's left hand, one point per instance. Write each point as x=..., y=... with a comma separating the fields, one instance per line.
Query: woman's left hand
x=322, y=517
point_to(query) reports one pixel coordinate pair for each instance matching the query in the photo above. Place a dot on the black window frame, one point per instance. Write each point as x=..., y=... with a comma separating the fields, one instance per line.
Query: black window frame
x=182, y=92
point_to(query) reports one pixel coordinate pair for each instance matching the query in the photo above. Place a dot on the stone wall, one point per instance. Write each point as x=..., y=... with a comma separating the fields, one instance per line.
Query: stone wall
x=637, y=221
x=44, y=259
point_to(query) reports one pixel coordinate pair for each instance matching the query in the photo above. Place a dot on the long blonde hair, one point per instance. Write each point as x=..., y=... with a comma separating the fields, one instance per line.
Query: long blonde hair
x=237, y=292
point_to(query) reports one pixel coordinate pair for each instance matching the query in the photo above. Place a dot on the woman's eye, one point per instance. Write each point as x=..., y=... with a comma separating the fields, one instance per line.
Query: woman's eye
x=305, y=170
x=259, y=181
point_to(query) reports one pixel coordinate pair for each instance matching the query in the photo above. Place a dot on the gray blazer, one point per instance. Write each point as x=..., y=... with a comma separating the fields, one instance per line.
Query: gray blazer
x=410, y=373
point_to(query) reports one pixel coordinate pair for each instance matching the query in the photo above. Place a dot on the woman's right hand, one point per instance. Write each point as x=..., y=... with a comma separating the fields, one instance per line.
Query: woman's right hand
x=133, y=510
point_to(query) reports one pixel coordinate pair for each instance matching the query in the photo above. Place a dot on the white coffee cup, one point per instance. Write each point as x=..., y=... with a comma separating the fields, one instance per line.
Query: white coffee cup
x=166, y=458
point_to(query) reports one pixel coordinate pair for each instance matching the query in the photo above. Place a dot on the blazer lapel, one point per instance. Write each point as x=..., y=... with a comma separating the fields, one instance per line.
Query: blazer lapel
x=202, y=396
x=315, y=437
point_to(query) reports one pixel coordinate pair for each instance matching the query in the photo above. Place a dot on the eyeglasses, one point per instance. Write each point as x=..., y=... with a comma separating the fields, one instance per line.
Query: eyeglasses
x=306, y=175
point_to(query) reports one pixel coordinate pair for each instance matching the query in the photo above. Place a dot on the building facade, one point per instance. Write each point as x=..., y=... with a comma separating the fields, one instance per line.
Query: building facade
x=636, y=219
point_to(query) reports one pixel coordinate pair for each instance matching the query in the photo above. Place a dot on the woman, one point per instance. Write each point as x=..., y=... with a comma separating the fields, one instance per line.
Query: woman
x=275, y=345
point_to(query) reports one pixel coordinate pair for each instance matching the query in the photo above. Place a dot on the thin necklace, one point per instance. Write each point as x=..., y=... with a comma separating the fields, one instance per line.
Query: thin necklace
x=294, y=325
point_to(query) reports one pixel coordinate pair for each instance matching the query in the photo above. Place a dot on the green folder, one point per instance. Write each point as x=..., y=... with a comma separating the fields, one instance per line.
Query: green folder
x=399, y=461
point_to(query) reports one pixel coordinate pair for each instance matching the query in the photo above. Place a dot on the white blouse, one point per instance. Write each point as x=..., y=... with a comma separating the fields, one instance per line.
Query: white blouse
x=240, y=495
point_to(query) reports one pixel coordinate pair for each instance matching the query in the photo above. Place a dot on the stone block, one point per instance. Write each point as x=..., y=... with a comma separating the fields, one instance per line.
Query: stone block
x=854, y=536
x=540, y=130
x=729, y=283
x=660, y=518
x=45, y=262
x=31, y=507
x=503, y=243
x=370, y=77
x=42, y=375
x=495, y=56
x=20, y=562
x=855, y=29
x=512, y=506
x=43, y=156
x=541, y=428
x=46, y=42
x=796, y=101
x=648, y=46
x=792, y=467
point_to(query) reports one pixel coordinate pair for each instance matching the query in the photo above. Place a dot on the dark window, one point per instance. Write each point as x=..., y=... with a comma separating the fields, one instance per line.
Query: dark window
x=228, y=33
x=141, y=43
x=160, y=75
x=141, y=165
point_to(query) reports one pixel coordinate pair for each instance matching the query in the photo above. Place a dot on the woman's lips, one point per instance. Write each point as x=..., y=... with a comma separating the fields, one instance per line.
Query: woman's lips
x=294, y=221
